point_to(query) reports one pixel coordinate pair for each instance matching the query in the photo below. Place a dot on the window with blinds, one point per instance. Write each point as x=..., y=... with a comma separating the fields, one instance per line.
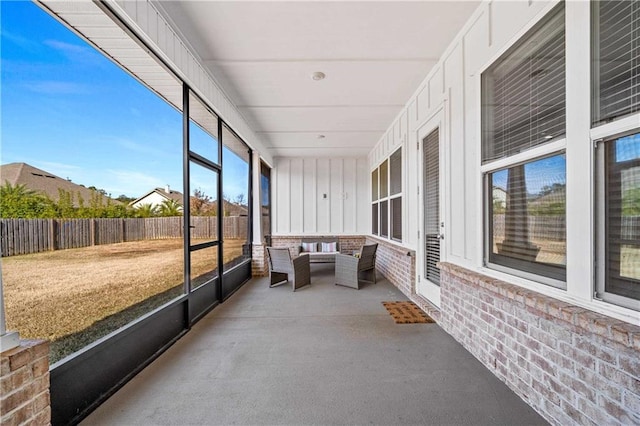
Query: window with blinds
x=384, y=219
x=374, y=185
x=622, y=213
x=374, y=218
x=384, y=179
x=523, y=92
x=616, y=55
x=386, y=198
x=431, y=176
x=395, y=172
x=527, y=216
x=395, y=189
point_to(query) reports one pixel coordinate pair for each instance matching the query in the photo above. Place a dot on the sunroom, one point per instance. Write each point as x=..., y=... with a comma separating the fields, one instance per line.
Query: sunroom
x=490, y=149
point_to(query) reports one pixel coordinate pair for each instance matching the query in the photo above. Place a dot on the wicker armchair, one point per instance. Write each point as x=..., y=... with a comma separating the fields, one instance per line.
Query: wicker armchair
x=349, y=268
x=281, y=265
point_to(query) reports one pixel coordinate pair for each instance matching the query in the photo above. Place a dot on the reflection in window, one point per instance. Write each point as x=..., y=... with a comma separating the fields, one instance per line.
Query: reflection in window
x=622, y=201
x=528, y=219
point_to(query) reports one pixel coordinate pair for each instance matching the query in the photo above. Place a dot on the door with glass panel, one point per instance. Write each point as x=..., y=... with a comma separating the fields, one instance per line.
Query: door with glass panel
x=431, y=234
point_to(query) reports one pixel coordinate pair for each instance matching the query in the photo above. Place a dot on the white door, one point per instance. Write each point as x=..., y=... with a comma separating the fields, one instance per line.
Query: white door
x=431, y=234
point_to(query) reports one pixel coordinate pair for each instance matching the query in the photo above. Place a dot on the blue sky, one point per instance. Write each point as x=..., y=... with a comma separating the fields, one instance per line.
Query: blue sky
x=69, y=110
x=539, y=173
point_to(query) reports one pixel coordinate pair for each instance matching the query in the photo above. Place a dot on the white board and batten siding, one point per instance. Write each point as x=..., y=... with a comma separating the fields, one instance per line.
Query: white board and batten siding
x=451, y=89
x=321, y=196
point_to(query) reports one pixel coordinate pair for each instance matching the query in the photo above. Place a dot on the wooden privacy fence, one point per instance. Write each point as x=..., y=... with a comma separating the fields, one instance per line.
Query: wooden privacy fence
x=553, y=228
x=24, y=236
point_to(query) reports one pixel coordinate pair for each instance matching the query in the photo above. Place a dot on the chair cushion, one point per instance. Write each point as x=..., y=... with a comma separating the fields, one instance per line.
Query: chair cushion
x=309, y=247
x=328, y=247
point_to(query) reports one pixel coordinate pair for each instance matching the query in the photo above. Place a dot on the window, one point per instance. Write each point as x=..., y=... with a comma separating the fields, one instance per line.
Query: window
x=235, y=203
x=116, y=201
x=527, y=217
x=616, y=55
x=619, y=207
x=523, y=107
x=523, y=92
x=395, y=187
x=615, y=95
x=386, y=198
x=265, y=202
x=374, y=199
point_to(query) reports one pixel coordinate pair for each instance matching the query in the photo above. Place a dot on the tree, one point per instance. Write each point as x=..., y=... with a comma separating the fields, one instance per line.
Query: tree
x=19, y=202
x=631, y=202
x=201, y=204
x=170, y=208
x=124, y=199
x=146, y=210
x=240, y=199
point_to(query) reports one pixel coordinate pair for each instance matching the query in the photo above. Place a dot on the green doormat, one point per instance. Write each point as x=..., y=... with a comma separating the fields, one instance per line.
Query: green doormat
x=407, y=313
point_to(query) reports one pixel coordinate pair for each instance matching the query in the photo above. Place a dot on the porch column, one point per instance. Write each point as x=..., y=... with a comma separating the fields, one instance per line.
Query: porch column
x=516, y=242
x=257, y=200
x=258, y=254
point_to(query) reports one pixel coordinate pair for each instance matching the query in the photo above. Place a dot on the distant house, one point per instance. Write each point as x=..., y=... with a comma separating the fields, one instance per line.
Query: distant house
x=44, y=182
x=499, y=197
x=157, y=196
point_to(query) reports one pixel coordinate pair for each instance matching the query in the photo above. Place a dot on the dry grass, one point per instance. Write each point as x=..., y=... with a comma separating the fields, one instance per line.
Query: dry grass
x=73, y=297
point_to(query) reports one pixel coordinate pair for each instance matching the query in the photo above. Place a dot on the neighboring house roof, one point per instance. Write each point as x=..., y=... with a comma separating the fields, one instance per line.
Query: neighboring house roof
x=156, y=196
x=44, y=182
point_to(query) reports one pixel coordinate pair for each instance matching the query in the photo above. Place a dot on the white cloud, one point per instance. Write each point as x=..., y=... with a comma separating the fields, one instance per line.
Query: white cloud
x=131, y=183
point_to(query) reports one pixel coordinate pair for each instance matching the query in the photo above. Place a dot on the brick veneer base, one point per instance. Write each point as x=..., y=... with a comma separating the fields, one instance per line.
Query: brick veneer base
x=24, y=384
x=398, y=265
x=259, y=265
x=574, y=366
x=347, y=243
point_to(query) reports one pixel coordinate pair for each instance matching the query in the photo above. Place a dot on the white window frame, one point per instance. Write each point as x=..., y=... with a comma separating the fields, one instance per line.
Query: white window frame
x=389, y=197
x=601, y=136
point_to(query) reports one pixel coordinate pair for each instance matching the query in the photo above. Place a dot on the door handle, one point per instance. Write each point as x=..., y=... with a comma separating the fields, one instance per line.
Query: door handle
x=440, y=236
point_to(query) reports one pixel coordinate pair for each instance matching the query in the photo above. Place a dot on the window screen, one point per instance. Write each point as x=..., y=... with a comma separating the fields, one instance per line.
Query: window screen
x=374, y=218
x=384, y=179
x=384, y=219
x=616, y=52
x=395, y=172
x=396, y=218
x=374, y=185
x=523, y=92
x=622, y=201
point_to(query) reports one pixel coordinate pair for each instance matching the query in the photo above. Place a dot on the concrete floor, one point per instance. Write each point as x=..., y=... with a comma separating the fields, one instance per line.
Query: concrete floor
x=322, y=355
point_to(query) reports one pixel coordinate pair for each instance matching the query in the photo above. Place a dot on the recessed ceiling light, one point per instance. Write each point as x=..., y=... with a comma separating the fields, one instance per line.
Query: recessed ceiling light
x=321, y=136
x=317, y=76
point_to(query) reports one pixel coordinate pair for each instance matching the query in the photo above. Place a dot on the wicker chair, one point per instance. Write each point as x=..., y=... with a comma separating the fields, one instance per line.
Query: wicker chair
x=349, y=268
x=281, y=265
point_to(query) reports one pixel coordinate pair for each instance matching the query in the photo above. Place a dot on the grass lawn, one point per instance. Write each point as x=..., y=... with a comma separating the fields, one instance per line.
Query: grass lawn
x=74, y=297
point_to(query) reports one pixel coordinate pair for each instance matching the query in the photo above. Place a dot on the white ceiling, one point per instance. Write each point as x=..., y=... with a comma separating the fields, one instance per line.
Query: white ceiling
x=374, y=55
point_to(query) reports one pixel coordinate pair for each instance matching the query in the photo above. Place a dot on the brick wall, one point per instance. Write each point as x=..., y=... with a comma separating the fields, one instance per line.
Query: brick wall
x=24, y=384
x=259, y=263
x=347, y=243
x=574, y=366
